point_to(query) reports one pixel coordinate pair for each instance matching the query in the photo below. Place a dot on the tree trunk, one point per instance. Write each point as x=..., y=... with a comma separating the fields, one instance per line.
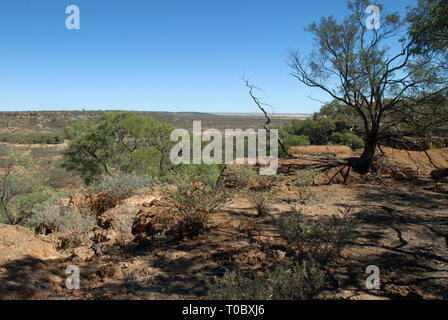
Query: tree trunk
x=364, y=162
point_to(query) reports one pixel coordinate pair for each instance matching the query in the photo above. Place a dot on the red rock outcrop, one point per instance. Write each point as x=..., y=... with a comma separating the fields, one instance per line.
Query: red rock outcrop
x=155, y=217
x=97, y=204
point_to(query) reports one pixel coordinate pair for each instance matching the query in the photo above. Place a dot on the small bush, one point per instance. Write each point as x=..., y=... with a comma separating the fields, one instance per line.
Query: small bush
x=261, y=199
x=254, y=187
x=45, y=217
x=241, y=175
x=141, y=277
x=123, y=225
x=295, y=281
x=303, y=180
x=321, y=241
x=207, y=174
x=290, y=281
x=245, y=177
x=75, y=227
x=234, y=286
x=195, y=202
x=122, y=186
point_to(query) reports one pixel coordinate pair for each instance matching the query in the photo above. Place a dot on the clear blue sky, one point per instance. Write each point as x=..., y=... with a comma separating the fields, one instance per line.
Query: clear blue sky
x=157, y=55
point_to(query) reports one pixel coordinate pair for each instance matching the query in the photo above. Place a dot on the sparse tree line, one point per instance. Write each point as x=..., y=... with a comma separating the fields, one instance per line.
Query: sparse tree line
x=322, y=130
x=34, y=139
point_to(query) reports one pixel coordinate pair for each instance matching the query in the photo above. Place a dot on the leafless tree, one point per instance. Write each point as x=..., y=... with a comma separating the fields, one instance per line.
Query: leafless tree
x=261, y=105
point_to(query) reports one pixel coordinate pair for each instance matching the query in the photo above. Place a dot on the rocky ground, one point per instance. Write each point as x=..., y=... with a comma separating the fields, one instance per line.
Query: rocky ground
x=402, y=227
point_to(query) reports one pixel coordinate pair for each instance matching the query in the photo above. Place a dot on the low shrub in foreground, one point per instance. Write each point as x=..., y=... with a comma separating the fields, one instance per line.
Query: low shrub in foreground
x=75, y=227
x=321, y=241
x=241, y=175
x=140, y=277
x=195, y=202
x=257, y=189
x=287, y=281
x=261, y=199
x=303, y=180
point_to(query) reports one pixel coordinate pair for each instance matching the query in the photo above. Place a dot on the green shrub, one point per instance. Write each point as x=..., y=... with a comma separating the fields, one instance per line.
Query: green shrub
x=234, y=286
x=261, y=199
x=244, y=177
x=292, y=140
x=195, y=202
x=241, y=175
x=122, y=186
x=303, y=180
x=321, y=241
x=347, y=139
x=205, y=173
x=295, y=281
x=318, y=131
x=75, y=227
x=289, y=281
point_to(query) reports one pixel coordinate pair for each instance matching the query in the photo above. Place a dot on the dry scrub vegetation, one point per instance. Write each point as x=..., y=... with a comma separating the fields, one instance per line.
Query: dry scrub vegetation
x=193, y=236
x=140, y=229
x=363, y=182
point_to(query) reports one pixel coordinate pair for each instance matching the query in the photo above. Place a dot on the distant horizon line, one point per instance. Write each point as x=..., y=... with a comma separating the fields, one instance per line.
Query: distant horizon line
x=157, y=111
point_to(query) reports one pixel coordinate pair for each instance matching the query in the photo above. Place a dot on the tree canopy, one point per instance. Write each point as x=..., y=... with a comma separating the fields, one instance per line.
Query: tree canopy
x=374, y=72
x=122, y=141
x=429, y=26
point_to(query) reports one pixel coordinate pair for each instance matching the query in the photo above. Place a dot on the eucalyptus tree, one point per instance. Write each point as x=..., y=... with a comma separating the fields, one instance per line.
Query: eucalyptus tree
x=122, y=141
x=374, y=71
